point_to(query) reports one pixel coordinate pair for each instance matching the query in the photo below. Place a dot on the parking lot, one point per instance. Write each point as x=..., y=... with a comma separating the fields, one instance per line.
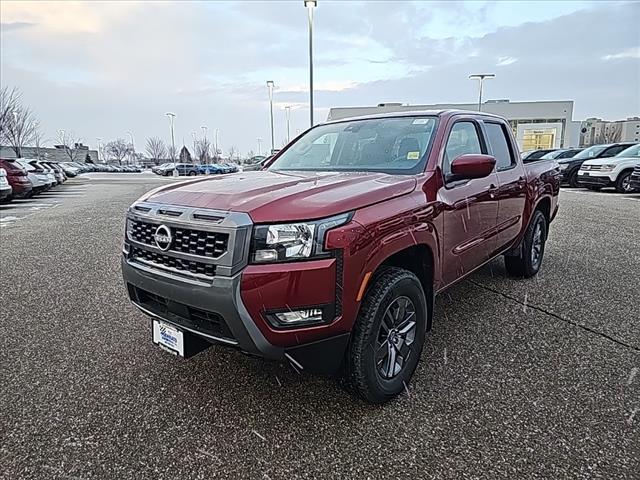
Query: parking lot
x=519, y=378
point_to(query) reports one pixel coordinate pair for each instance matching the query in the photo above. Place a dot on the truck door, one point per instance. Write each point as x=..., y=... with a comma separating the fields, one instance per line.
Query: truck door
x=470, y=206
x=512, y=182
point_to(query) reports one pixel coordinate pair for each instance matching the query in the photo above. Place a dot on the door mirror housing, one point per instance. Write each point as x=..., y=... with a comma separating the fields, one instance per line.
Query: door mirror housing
x=472, y=165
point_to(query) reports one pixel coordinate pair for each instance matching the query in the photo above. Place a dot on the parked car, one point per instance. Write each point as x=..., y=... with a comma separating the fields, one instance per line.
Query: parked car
x=531, y=155
x=570, y=167
x=70, y=170
x=49, y=171
x=610, y=172
x=158, y=168
x=58, y=173
x=254, y=163
x=183, y=169
x=634, y=179
x=561, y=153
x=5, y=188
x=40, y=180
x=17, y=177
x=214, y=169
x=332, y=256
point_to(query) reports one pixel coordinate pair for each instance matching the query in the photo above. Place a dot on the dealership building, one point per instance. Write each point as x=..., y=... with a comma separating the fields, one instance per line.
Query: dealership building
x=546, y=124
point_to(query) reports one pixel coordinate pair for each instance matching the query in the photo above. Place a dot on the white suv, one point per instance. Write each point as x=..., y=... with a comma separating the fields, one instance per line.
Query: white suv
x=610, y=172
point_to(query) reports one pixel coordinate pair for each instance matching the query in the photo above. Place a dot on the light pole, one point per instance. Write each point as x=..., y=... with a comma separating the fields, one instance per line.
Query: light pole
x=310, y=4
x=98, y=140
x=173, y=143
x=270, y=86
x=287, y=112
x=193, y=135
x=481, y=77
x=204, y=135
x=133, y=145
x=216, y=144
x=259, y=146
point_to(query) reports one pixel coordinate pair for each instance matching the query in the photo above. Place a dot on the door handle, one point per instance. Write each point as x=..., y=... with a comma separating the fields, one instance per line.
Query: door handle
x=493, y=190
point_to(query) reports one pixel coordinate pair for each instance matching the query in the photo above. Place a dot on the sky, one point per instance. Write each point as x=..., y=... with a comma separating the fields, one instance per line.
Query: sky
x=101, y=69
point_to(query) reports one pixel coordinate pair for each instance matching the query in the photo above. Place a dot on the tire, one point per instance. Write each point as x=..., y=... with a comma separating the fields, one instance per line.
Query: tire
x=378, y=381
x=573, y=179
x=192, y=173
x=526, y=264
x=622, y=182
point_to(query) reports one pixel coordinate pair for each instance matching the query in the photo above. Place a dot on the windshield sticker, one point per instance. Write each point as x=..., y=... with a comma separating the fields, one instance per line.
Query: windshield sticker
x=420, y=121
x=413, y=155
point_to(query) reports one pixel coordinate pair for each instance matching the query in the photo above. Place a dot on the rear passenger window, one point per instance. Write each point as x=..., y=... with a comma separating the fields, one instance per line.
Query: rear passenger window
x=499, y=146
x=463, y=140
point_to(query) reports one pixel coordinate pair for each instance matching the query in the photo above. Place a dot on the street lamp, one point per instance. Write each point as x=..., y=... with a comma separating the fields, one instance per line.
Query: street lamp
x=310, y=4
x=193, y=135
x=98, y=140
x=133, y=145
x=173, y=143
x=270, y=86
x=287, y=112
x=259, y=146
x=481, y=77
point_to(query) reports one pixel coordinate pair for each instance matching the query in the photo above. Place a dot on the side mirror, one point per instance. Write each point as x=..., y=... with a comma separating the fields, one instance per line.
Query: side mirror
x=472, y=165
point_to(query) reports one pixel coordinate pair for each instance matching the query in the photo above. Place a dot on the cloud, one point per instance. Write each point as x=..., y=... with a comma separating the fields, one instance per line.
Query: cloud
x=103, y=68
x=633, y=52
x=505, y=61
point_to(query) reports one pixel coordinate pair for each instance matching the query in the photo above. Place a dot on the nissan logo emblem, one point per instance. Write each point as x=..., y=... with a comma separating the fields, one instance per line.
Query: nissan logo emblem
x=163, y=238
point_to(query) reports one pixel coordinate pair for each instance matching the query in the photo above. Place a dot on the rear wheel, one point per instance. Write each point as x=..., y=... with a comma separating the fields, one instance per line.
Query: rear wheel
x=527, y=263
x=388, y=336
x=192, y=173
x=623, y=182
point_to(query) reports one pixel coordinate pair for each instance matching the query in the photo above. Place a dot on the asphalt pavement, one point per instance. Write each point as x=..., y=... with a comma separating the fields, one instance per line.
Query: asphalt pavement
x=531, y=378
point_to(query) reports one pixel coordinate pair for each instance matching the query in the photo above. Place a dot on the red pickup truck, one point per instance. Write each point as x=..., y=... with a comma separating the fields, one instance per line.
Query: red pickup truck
x=331, y=256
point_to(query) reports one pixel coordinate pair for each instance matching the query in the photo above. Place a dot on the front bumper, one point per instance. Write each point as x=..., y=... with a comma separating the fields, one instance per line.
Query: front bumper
x=593, y=180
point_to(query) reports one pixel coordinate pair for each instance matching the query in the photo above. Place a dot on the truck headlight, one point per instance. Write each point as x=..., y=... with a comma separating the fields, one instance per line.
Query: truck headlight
x=292, y=241
x=563, y=166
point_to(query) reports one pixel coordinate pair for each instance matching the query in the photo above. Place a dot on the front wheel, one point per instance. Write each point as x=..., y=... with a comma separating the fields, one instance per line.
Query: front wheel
x=573, y=180
x=388, y=336
x=527, y=263
x=623, y=182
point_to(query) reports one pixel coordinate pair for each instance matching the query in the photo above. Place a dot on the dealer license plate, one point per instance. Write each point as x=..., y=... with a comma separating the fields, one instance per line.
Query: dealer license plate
x=168, y=338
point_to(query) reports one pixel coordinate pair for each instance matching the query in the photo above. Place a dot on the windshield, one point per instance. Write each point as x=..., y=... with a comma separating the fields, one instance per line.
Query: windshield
x=390, y=145
x=552, y=155
x=633, y=151
x=591, y=151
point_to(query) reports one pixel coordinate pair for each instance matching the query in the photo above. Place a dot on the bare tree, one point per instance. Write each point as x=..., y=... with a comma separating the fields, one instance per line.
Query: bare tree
x=118, y=149
x=232, y=152
x=203, y=147
x=37, y=141
x=156, y=149
x=9, y=102
x=19, y=128
x=68, y=141
x=250, y=154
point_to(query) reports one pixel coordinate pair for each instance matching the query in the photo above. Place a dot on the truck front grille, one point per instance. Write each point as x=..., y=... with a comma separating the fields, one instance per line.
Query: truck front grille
x=185, y=240
x=173, y=264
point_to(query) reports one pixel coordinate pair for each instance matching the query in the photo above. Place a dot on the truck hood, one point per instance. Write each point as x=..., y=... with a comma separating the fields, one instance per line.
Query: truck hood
x=286, y=196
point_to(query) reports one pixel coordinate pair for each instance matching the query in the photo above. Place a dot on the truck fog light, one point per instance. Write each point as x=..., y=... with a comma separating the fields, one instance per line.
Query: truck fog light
x=301, y=317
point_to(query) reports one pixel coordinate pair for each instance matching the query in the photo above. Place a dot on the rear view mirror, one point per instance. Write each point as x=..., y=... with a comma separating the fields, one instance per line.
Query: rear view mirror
x=472, y=166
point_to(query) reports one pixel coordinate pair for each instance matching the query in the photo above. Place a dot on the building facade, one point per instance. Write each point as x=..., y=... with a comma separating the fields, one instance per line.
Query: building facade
x=80, y=153
x=596, y=130
x=535, y=124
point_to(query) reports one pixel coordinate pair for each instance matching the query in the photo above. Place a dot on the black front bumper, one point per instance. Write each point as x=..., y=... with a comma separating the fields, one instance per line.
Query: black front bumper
x=216, y=313
x=594, y=181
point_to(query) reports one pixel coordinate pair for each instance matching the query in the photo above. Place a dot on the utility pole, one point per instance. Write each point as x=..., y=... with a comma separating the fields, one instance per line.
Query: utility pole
x=310, y=4
x=270, y=86
x=287, y=112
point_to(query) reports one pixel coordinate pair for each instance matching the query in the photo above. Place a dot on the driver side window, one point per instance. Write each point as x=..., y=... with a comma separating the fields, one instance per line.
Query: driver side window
x=463, y=139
